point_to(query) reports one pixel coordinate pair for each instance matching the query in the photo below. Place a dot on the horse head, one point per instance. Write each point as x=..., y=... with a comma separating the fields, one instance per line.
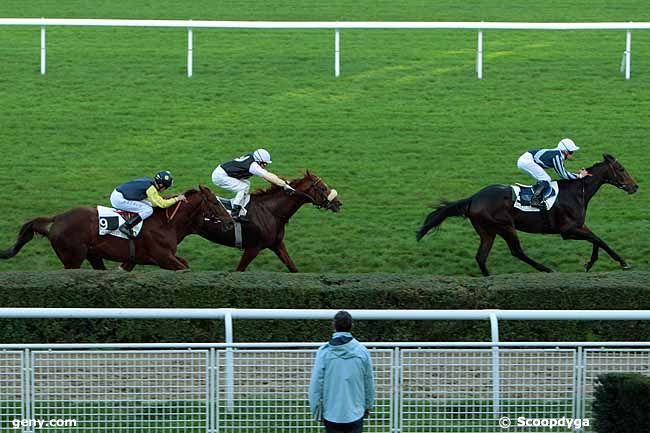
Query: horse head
x=212, y=211
x=317, y=192
x=618, y=176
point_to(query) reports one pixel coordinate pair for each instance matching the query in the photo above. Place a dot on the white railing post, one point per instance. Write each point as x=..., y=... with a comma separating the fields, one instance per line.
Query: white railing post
x=479, y=56
x=230, y=369
x=337, y=53
x=42, y=50
x=496, y=365
x=628, y=54
x=395, y=402
x=189, y=52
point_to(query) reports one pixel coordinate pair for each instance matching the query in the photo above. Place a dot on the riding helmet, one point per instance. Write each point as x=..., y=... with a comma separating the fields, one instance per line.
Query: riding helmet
x=164, y=179
x=567, y=145
x=262, y=155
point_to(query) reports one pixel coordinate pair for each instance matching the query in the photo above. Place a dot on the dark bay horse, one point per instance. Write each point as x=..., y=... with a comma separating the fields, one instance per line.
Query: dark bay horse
x=491, y=212
x=74, y=235
x=269, y=211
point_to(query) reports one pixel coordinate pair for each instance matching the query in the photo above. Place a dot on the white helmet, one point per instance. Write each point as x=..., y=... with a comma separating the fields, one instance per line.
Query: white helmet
x=262, y=155
x=567, y=145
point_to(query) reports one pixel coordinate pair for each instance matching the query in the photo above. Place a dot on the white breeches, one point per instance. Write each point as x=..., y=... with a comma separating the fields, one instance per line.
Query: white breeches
x=239, y=186
x=142, y=208
x=527, y=163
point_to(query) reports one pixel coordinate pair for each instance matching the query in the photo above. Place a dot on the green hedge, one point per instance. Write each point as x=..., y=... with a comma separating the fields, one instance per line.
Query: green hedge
x=163, y=289
x=622, y=403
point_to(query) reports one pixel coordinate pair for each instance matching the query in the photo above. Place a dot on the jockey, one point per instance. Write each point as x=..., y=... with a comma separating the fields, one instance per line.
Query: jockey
x=535, y=161
x=233, y=176
x=140, y=196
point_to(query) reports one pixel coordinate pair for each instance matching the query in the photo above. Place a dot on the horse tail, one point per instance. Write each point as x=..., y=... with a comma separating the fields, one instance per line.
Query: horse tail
x=26, y=234
x=442, y=212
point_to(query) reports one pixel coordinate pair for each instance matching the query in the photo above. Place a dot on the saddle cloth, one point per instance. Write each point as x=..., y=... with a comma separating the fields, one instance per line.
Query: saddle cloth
x=110, y=219
x=523, y=194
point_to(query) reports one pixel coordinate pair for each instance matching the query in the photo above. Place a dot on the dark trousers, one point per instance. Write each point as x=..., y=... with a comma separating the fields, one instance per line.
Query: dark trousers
x=348, y=427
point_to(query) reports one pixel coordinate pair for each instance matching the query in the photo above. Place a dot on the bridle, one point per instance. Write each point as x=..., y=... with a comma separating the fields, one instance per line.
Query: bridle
x=326, y=203
x=620, y=184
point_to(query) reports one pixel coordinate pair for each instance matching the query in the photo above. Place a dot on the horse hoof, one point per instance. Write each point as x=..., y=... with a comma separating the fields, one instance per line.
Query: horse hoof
x=625, y=266
x=588, y=266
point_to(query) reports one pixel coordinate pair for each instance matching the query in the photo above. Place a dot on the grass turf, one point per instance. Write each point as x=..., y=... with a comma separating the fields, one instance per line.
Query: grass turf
x=406, y=124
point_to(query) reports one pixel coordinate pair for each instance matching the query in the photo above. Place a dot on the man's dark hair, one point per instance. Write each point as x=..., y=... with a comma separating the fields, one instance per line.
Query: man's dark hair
x=342, y=321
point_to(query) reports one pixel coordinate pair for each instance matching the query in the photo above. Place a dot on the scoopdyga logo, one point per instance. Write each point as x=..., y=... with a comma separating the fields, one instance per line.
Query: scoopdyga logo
x=550, y=423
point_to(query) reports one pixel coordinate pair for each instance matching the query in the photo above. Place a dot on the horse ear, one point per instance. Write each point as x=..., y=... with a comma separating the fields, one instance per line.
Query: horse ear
x=608, y=157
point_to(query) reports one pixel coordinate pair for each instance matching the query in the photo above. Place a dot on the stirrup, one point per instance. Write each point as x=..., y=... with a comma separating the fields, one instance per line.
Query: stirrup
x=240, y=218
x=126, y=230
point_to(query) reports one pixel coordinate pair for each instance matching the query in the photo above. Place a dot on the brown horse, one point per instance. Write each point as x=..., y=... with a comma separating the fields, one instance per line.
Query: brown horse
x=492, y=212
x=74, y=235
x=269, y=211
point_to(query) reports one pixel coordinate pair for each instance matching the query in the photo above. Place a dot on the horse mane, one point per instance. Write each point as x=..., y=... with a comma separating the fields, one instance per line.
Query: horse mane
x=589, y=169
x=189, y=192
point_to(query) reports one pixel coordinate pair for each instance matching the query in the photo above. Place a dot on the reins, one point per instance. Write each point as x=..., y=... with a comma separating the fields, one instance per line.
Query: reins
x=169, y=218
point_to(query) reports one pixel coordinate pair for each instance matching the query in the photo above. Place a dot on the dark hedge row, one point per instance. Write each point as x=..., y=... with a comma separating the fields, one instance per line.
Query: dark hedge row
x=162, y=289
x=622, y=403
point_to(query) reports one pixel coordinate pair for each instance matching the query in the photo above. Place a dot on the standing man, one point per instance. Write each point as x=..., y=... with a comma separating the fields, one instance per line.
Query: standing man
x=342, y=388
x=233, y=176
x=535, y=162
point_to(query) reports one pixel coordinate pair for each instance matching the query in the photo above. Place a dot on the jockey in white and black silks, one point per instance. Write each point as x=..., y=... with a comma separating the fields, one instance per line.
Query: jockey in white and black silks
x=534, y=162
x=140, y=196
x=233, y=176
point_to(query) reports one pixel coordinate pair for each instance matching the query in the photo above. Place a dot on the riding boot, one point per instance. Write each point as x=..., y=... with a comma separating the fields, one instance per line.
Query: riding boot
x=236, y=214
x=538, y=194
x=127, y=227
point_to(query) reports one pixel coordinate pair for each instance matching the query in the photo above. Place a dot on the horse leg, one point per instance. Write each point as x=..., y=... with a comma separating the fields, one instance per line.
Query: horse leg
x=71, y=255
x=183, y=261
x=246, y=258
x=172, y=263
x=487, y=240
x=127, y=266
x=510, y=236
x=280, y=250
x=96, y=262
x=584, y=233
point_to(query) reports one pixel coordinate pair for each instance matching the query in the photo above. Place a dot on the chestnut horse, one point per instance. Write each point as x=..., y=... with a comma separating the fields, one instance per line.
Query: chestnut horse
x=74, y=235
x=269, y=211
x=491, y=212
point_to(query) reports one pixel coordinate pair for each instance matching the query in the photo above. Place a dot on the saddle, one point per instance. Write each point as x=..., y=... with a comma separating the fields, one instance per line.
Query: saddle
x=522, y=195
x=110, y=219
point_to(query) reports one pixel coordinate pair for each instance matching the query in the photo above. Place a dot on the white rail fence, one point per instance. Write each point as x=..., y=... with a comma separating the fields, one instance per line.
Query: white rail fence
x=261, y=387
x=337, y=26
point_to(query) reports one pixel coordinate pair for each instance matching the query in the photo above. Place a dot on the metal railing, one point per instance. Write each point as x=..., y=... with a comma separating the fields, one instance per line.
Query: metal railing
x=337, y=26
x=442, y=387
x=259, y=387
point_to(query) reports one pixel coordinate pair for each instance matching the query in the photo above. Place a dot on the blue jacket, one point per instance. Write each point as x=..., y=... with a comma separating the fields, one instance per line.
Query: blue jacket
x=552, y=158
x=136, y=189
x=342, y=383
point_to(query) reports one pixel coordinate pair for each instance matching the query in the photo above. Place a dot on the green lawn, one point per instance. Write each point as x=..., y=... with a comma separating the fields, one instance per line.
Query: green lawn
x=406, y=124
